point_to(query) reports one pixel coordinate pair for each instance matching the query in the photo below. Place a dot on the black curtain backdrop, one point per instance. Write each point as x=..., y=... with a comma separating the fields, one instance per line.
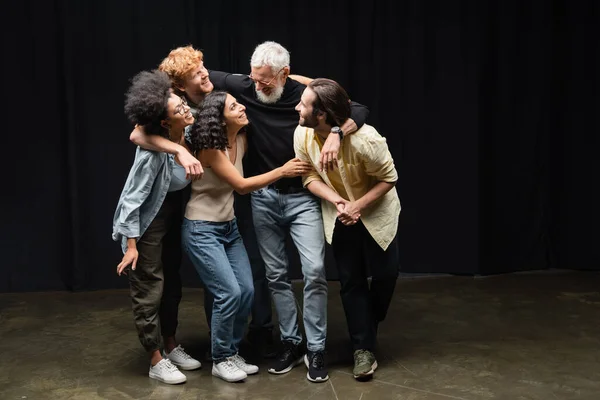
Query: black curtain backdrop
x=490, y=109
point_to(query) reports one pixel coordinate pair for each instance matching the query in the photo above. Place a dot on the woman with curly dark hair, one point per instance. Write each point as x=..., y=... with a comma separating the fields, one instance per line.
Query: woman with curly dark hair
x=210, y=232
x=148, y=224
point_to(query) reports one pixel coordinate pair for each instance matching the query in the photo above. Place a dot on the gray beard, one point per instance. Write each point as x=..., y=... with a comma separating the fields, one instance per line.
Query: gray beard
x=272, y=98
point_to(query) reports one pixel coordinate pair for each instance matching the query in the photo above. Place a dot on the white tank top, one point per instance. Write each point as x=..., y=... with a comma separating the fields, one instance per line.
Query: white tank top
x=212, y=198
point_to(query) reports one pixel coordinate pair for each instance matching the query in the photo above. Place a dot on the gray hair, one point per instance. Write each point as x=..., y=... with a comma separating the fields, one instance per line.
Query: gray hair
x=272, y=54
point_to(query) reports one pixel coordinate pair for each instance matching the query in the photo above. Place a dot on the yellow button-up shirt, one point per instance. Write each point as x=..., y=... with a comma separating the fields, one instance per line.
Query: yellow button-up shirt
x=364, y=159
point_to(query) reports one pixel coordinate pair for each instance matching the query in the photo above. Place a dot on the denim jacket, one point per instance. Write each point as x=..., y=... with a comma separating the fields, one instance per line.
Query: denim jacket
x=142, y=195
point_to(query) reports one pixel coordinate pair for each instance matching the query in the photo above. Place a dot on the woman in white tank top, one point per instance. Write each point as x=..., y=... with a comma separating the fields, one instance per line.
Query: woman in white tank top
x=210, y=235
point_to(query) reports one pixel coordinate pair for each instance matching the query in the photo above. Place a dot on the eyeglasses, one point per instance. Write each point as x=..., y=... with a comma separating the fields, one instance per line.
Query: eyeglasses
x=181, y=108
x=265, y=83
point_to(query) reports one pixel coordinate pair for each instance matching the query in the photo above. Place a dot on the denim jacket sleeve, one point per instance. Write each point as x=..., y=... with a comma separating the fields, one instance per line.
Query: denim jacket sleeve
x=126, y=223
x=301, y=151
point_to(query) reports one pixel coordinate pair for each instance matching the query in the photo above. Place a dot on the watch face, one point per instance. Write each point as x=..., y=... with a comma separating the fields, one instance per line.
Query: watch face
x=336, y=129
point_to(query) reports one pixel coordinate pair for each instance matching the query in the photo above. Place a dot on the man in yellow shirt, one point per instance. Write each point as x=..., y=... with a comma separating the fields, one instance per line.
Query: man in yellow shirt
x=360, y=212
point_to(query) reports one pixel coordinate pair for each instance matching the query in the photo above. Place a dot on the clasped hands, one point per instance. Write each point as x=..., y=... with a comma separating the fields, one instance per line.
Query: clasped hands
x=348, y=212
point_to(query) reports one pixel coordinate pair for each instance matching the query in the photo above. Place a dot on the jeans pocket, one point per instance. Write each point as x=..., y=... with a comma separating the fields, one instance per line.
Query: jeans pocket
x=200, y=227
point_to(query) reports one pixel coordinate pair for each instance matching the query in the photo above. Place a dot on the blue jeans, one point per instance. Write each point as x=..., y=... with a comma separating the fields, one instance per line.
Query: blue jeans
x=299, y=213
x=218, y=254
x=262, y=317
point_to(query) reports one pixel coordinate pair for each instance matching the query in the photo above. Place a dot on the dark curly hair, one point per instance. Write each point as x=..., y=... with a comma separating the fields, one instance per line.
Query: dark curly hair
x=208, y=130
x=146, y=101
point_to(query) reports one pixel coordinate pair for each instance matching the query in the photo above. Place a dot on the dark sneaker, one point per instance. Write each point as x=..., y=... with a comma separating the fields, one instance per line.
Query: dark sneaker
x=262, y=342
x=315, y=362
x=365, y=364
x=290, y=356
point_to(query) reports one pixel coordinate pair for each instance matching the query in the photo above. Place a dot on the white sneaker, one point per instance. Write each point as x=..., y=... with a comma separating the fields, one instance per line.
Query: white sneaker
x=228, y=371
x=239, y=361
x=182, y=359
x=166, y=372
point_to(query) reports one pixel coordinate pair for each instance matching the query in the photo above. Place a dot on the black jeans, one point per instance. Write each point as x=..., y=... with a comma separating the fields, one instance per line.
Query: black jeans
x=354, y=250
x=155, y=285
x=262, y=316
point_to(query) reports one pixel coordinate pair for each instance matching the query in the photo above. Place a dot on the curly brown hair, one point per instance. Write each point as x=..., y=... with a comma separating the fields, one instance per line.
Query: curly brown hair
x=208, y=130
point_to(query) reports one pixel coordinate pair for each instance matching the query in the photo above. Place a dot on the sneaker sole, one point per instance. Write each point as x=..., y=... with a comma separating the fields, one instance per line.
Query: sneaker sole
x=183, y=366
x=367, y=374
x=187, y=367
x=251, y=373
x=228, y=380
x=173, y=382
x=316, y=380
x=288, y=369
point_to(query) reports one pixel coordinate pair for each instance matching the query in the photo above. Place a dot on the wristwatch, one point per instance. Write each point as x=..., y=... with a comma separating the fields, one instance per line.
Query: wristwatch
x=338, y=130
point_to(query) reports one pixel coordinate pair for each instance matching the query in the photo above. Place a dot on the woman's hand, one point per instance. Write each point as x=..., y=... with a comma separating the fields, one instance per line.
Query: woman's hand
x=295, y=167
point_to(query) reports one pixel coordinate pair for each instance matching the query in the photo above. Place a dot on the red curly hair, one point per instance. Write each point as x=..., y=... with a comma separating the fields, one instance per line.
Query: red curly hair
x=180, y=62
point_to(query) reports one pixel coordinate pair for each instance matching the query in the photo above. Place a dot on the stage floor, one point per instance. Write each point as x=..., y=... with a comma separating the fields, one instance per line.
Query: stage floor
x=518, y=336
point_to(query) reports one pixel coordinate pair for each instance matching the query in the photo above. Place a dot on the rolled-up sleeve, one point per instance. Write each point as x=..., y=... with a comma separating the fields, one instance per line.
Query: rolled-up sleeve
x=378, y=160
x=301, y=150
x=137, y=189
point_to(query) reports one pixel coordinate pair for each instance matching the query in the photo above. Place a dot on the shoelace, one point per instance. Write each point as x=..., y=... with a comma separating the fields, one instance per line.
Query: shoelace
x=229, y=365
x=167, y=365
x=317, y=360
x=237, y=359
x=179, y=351
x=362, y=356
x=288, y=352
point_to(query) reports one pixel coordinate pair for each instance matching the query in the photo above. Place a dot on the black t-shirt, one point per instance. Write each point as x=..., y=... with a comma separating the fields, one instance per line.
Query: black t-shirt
x=272, y=126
